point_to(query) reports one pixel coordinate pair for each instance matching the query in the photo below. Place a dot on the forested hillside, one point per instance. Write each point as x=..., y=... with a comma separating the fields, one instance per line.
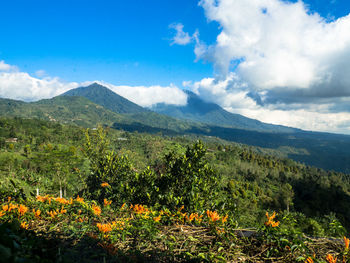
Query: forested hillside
x=142, y=190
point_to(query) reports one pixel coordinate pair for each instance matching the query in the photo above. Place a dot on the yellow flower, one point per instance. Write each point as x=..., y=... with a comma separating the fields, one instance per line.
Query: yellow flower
x=104, y=184
x=24, y=225
x=96, y=210
x=22, y=209
x=330, y=259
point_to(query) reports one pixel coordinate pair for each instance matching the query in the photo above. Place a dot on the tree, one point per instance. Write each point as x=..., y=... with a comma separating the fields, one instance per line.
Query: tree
x=188, y=180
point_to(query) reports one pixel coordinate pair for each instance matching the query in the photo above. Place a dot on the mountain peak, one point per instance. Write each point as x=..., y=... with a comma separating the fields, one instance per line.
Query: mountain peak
x=105, y=97
x=200, y=110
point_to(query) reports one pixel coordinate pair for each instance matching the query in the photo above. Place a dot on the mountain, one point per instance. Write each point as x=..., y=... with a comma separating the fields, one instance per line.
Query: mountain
x=105, y=97
x=64, y=109
x=199, y=110
x=324, y=150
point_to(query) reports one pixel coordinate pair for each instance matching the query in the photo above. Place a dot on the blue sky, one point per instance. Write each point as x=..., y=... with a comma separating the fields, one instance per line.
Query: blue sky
x=122, y=42
x=280, y=62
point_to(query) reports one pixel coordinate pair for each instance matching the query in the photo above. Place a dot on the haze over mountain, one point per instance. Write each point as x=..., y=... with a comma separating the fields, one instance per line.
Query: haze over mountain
x=197, y=109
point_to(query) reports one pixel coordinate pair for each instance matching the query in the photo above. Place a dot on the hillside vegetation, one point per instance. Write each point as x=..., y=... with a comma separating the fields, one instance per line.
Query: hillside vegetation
x=148, y=198
x=323, y=150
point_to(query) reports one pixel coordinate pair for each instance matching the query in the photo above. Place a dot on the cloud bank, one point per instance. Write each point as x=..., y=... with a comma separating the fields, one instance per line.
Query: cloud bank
x=148, y=96
x=278, y=62
x=22, y=86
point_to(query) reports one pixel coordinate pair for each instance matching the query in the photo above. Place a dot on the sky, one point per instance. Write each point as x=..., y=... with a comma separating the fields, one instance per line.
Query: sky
x=282, y=62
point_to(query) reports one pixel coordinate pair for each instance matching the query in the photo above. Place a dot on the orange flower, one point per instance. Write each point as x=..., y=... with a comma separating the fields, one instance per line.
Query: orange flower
x=213, y=216
x=139, y=209
x=191, y=217
x=224, y=219
x=63, y=211
x=12, y=207
x=61, y=200
x=123, y=206
x=24, y=225
x=346, y=241
x=22, y=209
x=44, y=198
x=5, y=207
x=79, y=199
x=309, y=260
x=9, y=199
x=330, y=259
x=2, y=213
x=270, y=220
x=36, y=213
x=118, y=225
x=106, y=202
x=52, y=214
x=104, y=228
x=104, y=184
x=96, y=210
x=157, y=219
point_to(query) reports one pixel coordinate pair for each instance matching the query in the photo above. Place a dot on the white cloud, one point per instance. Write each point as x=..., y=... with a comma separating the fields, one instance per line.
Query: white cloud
x=277, y=62
x=7, y=67
x=233, y=96
x=280, y=44
x=181, y=37
x=21, y=86
x=148, y=96
x=40, y=73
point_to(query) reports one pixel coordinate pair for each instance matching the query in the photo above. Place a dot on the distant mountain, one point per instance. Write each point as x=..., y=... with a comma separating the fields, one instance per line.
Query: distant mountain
x=324, y=150
x=105, y=97
x=197, y=109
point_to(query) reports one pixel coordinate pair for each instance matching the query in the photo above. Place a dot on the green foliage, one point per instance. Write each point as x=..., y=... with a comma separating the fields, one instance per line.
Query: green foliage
x=188, y=180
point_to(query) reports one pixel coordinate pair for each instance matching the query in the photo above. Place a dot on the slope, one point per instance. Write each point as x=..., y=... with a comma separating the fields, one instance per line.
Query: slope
x=197, y=109
x=71, y=110
x=106, y=98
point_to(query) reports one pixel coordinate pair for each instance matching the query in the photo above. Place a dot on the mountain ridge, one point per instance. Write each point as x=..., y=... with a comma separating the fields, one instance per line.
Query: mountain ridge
x=197, y=109
x=324, y=150
x=105, y=97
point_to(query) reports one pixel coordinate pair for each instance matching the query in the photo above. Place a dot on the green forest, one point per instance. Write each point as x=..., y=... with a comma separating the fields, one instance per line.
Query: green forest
x=73, y=194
